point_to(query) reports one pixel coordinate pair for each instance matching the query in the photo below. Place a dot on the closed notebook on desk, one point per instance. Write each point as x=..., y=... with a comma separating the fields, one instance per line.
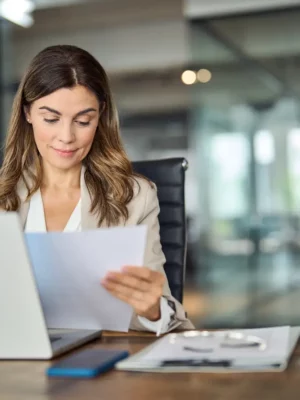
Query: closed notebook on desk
x=261, y=350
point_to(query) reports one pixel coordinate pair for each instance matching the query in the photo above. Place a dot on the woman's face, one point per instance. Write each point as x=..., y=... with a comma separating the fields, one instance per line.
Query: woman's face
x=64, y=125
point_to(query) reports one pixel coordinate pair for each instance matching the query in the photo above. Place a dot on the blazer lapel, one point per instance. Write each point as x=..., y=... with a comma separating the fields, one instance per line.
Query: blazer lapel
x=24, y=206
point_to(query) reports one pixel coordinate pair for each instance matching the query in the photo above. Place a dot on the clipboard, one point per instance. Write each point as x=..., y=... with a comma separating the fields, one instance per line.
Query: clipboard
x=204, y=364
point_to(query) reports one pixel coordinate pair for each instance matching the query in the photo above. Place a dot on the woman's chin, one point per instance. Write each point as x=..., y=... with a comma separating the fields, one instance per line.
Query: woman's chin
x=64, y=163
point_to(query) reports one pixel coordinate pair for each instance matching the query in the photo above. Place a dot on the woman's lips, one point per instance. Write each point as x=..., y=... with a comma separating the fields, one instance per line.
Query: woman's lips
x=65, y=153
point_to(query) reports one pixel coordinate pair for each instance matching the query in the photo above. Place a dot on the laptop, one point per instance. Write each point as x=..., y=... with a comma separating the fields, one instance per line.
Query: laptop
x=23, y=330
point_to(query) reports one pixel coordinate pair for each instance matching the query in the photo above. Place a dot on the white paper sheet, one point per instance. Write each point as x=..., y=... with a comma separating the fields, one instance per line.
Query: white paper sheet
x=68, y=268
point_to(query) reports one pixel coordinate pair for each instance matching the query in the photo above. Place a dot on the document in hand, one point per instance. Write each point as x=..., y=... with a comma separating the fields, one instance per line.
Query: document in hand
x=252, y=350
x=68, y=268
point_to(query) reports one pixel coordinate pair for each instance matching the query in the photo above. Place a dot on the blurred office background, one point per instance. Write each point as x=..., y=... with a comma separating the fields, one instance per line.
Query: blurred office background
x=215, y=81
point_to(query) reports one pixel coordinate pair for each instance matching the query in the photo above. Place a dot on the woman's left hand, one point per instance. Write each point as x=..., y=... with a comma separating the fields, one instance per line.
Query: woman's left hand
x=140, y=287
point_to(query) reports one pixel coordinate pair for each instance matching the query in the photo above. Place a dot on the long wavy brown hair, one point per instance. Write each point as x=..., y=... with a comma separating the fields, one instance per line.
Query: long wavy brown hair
x=109, y=176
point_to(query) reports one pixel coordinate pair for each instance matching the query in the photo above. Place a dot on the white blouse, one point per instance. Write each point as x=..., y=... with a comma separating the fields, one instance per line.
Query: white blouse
x=36, y=223
x=36, y=217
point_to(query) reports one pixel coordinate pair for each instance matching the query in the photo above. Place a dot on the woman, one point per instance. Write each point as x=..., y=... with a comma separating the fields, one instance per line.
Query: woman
x=65, y=169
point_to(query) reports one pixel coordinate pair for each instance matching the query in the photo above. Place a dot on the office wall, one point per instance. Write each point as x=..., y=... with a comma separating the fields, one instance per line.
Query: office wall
x=213, y=8
x=122, y=38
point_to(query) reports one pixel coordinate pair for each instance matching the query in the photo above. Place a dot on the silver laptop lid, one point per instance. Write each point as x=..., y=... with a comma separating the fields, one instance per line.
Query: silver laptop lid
x=22, y=324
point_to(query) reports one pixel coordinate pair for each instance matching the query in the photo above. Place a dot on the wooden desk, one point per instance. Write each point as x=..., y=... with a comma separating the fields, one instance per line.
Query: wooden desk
x=27, y=381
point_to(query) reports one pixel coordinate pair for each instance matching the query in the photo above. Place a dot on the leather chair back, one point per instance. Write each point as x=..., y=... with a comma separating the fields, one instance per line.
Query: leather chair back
x=169, y=176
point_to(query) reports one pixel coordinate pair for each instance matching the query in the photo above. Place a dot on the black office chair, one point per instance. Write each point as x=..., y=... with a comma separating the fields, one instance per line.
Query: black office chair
x=169, y=176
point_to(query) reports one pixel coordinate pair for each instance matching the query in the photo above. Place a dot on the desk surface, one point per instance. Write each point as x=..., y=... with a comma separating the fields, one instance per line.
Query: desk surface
x=27, y=381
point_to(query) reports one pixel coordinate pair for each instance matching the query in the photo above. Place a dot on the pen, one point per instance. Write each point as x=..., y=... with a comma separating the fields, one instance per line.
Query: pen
x=196, y=363
x=218, y=364
x=224, y=345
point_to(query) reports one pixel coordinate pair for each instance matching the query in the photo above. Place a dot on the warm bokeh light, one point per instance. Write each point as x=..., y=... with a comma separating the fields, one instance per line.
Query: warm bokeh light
x=188, y=77
x=204, y=75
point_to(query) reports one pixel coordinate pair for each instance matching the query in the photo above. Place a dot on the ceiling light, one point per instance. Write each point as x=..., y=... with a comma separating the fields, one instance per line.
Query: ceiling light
x=18, y=11
x=188, y=77
x=204, y=75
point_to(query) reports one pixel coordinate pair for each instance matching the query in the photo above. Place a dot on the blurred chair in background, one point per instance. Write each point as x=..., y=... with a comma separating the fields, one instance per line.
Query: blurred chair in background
x=169, y=177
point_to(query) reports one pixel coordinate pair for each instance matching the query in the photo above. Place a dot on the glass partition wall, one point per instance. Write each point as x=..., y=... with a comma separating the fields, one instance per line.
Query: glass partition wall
x=245, y=133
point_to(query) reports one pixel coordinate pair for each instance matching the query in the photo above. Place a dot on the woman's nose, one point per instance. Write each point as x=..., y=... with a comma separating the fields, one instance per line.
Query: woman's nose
x=66, y=134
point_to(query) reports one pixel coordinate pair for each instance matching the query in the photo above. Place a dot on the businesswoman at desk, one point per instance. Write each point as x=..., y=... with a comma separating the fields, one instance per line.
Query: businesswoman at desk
x=65, y=169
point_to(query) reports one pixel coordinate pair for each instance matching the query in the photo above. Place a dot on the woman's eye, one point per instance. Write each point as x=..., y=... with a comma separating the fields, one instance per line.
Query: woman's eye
x=50, y=121
x=81, y=123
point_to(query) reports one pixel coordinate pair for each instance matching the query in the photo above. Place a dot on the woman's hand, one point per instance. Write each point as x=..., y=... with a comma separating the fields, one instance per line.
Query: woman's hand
x=140, y=287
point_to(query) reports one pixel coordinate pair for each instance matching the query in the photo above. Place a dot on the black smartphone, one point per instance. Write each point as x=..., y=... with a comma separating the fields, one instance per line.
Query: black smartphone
x=86, y=363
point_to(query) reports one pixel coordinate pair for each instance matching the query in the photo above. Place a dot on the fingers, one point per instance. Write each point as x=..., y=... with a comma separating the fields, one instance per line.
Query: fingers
x=142, y=308
x=118, y=288
x=132, y=288
x=144, y=273
x=140, y=287
x=129, y=281
x=144, y=303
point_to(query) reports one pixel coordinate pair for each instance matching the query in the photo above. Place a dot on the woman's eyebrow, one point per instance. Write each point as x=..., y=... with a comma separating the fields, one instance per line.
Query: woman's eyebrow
x=87, y=110
x=50, y=109
x=58, y=113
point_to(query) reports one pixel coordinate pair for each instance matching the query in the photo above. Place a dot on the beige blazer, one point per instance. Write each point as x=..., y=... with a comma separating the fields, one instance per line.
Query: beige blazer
x=143, y=209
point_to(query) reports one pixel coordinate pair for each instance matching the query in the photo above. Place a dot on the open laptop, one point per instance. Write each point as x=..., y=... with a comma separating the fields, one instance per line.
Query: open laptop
x=23, y=330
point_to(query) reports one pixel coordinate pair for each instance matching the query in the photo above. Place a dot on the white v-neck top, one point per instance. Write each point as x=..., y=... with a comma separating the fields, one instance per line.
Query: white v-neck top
x=36, y=216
